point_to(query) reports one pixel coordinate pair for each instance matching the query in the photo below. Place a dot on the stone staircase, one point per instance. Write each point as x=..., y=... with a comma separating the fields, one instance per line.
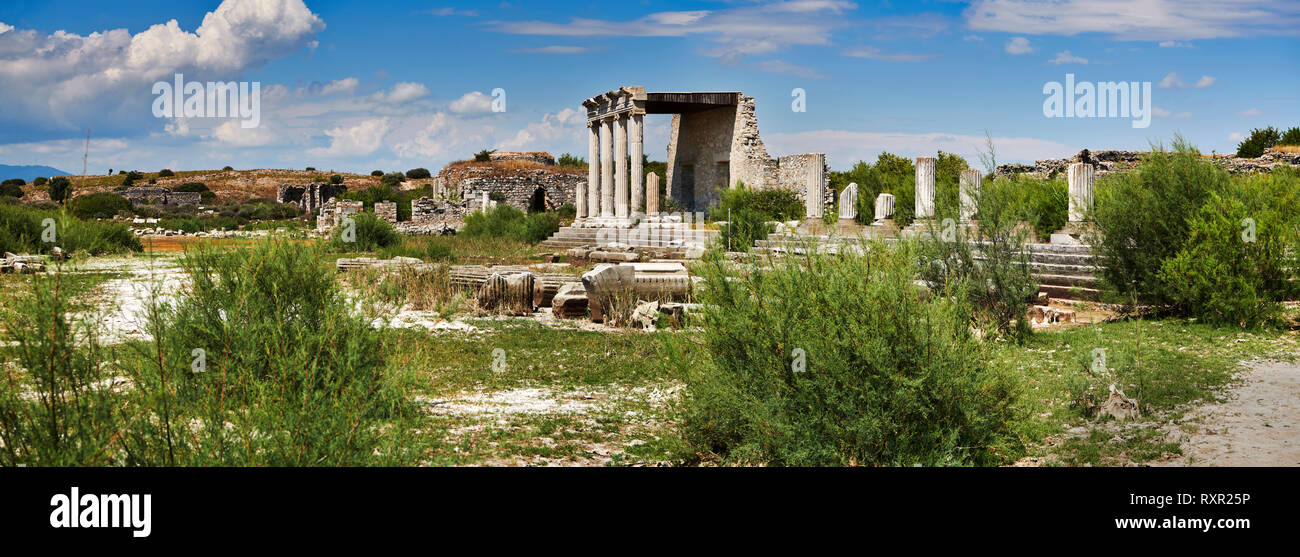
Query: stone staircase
x=675, y=236
x=1062, y=271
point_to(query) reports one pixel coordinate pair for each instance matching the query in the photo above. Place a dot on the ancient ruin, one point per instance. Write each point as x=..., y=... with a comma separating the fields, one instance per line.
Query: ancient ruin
x=714, y=144
x=162, y=196
x=310, y=197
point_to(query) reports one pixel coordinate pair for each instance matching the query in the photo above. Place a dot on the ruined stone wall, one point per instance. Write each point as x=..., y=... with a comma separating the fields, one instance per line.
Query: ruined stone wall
x=386, y=210
x=793, y=171
x=162, y=196
x=699, y=156
x=429, y=215
x=749, y=160
x=516, y=185
x=309, y=197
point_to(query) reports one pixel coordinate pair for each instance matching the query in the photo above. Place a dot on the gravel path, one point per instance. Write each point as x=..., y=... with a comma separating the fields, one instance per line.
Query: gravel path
x=1259, y=425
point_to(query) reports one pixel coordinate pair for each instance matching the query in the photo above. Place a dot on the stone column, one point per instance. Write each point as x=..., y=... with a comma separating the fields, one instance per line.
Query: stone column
x=651, y=194
x=636, y=140
x=586, y=201
x=849, y=202
x=884, y=207
x=924, y=188
x=620, y=167
x=971, y=181
x=815, y=187
x=607, y=168
x=1081, y=179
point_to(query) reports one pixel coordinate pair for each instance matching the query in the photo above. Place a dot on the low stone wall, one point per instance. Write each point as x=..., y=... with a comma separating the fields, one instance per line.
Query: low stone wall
x=162, y=196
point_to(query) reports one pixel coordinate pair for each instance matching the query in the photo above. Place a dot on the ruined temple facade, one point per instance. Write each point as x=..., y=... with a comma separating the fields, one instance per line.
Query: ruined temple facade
x=713, y=144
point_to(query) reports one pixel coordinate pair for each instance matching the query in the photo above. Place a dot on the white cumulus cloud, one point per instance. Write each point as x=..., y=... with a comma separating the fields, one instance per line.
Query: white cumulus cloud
x=1019, y=45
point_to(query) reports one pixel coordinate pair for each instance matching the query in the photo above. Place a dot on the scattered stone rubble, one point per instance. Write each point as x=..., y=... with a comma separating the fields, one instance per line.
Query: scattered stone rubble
x=13, y=263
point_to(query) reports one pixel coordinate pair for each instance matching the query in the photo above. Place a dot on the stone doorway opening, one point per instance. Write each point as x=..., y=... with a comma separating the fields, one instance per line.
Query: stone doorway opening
x=538, y=202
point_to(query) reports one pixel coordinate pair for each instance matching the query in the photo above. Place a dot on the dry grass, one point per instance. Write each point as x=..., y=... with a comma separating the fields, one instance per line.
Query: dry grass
x=1288, y=149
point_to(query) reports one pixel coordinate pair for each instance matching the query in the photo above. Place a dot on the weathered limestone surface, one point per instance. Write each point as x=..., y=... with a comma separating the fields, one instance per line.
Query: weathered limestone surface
x=925, y=167
x=884, y=207
x=652, y=194
x=969, y=190
x=510, y=293
x=620, y=168
x=571, y=301
x=849, y=202
x=386, y=210
x=636, y=140
x=1080, y=178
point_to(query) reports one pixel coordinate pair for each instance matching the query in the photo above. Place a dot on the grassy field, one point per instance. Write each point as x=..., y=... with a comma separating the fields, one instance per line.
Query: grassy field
x=571, y=396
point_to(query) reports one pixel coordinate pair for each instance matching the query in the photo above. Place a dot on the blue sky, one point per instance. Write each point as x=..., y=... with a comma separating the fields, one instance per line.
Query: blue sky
x=393, y=85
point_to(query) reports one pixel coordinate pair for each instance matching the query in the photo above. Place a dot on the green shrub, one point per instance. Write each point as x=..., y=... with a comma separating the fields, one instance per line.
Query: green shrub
x=9, y=189
x=14, y=181
x=1238, y=271
x=886, y=378
x=502, y=221
x=567, y=211
x=99, y=206
x=570, y=161
x=1291, y=137
x=777, y=204
x=40, y=181
x=1144, y=218
x=418, y=173
x=166, y=173
x=260, y=362
x=368, y=233
x=336, y=179
x=992, y=266
x=484, y=155
x=1258, y=140
x=746, y=227
x=392, y=179
x=1044, y=204
x=60, y=189
x=890, y=174
x=227, y=168
x=377, y=173
x=21, y=228
x=540, y=226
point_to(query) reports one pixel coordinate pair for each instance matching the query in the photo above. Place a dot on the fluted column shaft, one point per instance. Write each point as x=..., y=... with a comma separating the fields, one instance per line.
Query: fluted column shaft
x=969, y=190
x=620, y=167
x=606, y=168
x=636, y=139
x=1080, y=178
x=593, y=169
x=925, y=188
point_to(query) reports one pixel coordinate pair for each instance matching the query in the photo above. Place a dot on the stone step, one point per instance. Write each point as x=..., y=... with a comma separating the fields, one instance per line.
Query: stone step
x=1062, y=269
x=1065, y=280
x=1079, y=293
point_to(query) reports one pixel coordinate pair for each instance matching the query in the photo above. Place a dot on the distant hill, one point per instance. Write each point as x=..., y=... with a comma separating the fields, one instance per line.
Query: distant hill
x=29, y=173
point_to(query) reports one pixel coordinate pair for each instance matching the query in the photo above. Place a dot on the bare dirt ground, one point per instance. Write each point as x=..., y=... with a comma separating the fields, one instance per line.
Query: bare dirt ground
x=1259, y=424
